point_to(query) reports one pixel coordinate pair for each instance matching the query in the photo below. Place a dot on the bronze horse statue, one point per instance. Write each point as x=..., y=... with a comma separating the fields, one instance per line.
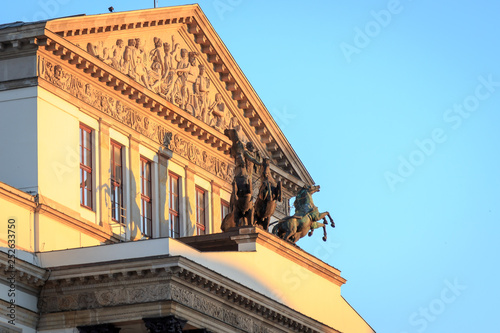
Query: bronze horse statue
x=269, y=193
x=293, y=228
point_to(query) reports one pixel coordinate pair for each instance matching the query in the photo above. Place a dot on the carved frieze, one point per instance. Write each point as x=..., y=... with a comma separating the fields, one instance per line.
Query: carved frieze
x=213, y=309
x=123, y=113
x=97, y=298
x=80, y=295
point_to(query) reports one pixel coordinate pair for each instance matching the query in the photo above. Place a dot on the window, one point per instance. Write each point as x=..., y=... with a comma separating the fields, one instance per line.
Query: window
x=85, y=166
x=200, y=211
x=224, y=208
x=116, y=183
x=146, y=203
x=173, y=204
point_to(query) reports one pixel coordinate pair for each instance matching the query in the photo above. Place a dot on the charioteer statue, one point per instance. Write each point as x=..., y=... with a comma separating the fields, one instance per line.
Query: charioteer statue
x=241, y=205
x=243, y=212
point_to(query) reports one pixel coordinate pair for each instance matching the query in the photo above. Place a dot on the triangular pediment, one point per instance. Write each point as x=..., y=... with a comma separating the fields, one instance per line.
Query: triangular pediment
x=176, y=56
x=165, y=60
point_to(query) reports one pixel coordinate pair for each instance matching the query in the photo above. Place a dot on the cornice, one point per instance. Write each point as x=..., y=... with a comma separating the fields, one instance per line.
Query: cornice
x=101, y=234
x=175, y=116
x=201, y=152
x=134, y=91
x=179, y=278
x=23, y=317
x=16, y=196
x=253, y=115
x=228, y=241
x=26, y=273
x=299, y=256
x=248, y=100
x=20, y=40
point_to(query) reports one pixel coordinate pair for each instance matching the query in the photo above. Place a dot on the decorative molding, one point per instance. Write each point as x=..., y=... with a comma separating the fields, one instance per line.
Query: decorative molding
x=145, y=98
x=189, y=21
x=29, y=275
x=89, y=228
x=17, y=196
x=227, y=242
x=115, y=108
x=174, y=279
x=6, y=328
x=169, y=69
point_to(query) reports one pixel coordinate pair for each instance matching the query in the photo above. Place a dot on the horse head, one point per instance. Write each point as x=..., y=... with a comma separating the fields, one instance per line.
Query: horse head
x=312, y=189
x=307, y=190
x=303, y=200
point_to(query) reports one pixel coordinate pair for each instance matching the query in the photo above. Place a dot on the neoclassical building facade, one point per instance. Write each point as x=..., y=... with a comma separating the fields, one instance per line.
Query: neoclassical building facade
x=116, y=174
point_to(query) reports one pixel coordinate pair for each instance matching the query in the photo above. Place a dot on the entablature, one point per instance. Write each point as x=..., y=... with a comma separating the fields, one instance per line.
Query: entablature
x=138, y=283
x=60, y=38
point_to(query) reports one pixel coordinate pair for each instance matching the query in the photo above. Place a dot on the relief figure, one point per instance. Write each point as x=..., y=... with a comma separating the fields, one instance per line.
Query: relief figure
x=201, y=86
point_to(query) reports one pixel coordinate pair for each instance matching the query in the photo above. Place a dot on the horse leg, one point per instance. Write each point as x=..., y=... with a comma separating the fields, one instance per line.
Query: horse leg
x=265, y=224
x=292, y=231
x=324, y=231
x=251, y=217
x=331, y=220
x=324, y=215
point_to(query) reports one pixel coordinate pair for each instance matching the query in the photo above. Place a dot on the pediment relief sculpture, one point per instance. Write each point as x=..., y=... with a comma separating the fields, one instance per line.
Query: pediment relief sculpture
x=178, y=60
x=131, y=117
x=166, y=65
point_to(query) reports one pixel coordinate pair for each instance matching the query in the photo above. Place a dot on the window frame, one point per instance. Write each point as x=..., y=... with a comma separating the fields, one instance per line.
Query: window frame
x=223, y=204
x=146, y=198
x=201, y=211
x=116, y=183
x=86, y=168
x=174, y=226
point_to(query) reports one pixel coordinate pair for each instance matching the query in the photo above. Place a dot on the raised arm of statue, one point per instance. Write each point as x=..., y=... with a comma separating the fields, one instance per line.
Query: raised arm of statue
x=255, y=159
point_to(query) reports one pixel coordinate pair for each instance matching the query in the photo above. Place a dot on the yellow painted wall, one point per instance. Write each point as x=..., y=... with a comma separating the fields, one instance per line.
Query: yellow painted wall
x=264, y=271
x=58, y=151
x=55, y=235
x=18, y=133
x=281, y=279
x=22, y=232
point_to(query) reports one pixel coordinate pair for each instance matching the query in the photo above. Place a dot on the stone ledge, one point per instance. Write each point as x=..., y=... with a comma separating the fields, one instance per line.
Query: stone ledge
x=245, y=239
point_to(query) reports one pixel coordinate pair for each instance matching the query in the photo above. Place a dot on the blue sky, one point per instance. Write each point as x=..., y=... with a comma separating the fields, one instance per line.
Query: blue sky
x=393, y=106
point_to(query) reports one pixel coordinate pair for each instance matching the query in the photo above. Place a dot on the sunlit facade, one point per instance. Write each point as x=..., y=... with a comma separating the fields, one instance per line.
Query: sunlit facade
x=116, y=175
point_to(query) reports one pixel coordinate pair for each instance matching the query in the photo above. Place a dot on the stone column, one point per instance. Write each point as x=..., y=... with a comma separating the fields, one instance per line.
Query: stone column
x=216, y=207
x=134, y=225
x=190, y=200
x=104, y=177
x=164, y=156
x=102, y=328
x=168, y=324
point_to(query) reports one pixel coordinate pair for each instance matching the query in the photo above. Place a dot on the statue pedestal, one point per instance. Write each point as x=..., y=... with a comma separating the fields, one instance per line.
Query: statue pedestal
x=239, y=239
x=246, y=238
